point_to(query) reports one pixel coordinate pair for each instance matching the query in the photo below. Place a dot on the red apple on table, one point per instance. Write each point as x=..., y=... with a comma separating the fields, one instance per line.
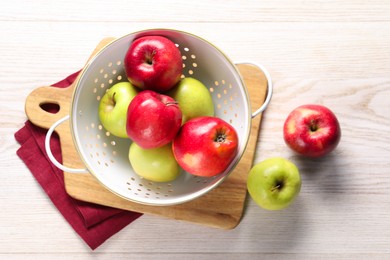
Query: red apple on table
x=153, y=119
x=154, y=63
x=205, y=146
x=312, y=130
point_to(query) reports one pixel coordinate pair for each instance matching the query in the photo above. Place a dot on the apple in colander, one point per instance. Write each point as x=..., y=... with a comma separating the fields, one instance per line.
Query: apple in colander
x=113, y=108
x=205, y=146
x=155, y=164
x=153, y=119
x=193, y=97
x=153, y=63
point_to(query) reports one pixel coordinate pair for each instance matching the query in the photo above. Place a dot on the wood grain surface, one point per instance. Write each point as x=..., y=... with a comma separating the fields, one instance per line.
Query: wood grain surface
x=221, y=208
x=334, y=53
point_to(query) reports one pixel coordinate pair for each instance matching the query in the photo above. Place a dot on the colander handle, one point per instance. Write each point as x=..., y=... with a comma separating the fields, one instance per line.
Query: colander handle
x=269, y=86
x=50, y=154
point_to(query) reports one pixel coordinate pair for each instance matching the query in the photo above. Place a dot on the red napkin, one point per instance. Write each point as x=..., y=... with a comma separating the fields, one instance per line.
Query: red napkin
x=94, y=223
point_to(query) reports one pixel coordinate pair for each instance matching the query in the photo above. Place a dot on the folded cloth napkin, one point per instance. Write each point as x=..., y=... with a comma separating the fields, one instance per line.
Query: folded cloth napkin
x=94, y=223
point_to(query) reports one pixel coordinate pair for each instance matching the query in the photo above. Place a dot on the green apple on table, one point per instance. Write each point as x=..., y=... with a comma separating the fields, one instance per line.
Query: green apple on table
x=274, y=183
x=154, y=164
x=113, y=108
x=193, y=97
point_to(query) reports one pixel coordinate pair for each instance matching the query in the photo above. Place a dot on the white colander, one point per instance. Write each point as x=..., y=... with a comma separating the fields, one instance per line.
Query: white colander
x=106, y=156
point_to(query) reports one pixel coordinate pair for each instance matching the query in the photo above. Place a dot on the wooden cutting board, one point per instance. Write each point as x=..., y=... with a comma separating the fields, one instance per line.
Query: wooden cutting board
x=221, y=208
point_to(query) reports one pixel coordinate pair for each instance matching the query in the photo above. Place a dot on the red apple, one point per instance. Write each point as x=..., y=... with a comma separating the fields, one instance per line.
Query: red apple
x=312, y=130
x=153, y=119
x=154, y=63
x=205, y=146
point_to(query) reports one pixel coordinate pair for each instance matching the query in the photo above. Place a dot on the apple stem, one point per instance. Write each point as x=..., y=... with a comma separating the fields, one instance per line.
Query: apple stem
x=279, y=186
x=113, y=99
x=149, y=61
x=220, y=138
x=149, y=58
x=313, y=126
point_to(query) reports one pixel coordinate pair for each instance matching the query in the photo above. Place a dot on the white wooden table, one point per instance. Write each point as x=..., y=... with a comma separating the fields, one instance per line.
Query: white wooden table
x=335, y=53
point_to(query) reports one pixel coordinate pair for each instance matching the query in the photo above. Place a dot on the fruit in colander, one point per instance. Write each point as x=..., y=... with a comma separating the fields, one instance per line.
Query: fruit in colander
x=154, y=63
x=156, y=164
x=193, y=97
x=205, y=146
x=113, y=108
x=153, y=119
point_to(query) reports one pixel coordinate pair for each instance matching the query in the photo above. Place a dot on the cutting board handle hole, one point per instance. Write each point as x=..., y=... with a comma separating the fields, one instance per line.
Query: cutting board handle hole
x=50, y=107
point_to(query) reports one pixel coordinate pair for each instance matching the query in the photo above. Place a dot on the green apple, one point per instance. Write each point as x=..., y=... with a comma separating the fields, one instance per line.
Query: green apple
x=154, y=164
x=194, y=99
x=274, y=183
x=113, y=107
